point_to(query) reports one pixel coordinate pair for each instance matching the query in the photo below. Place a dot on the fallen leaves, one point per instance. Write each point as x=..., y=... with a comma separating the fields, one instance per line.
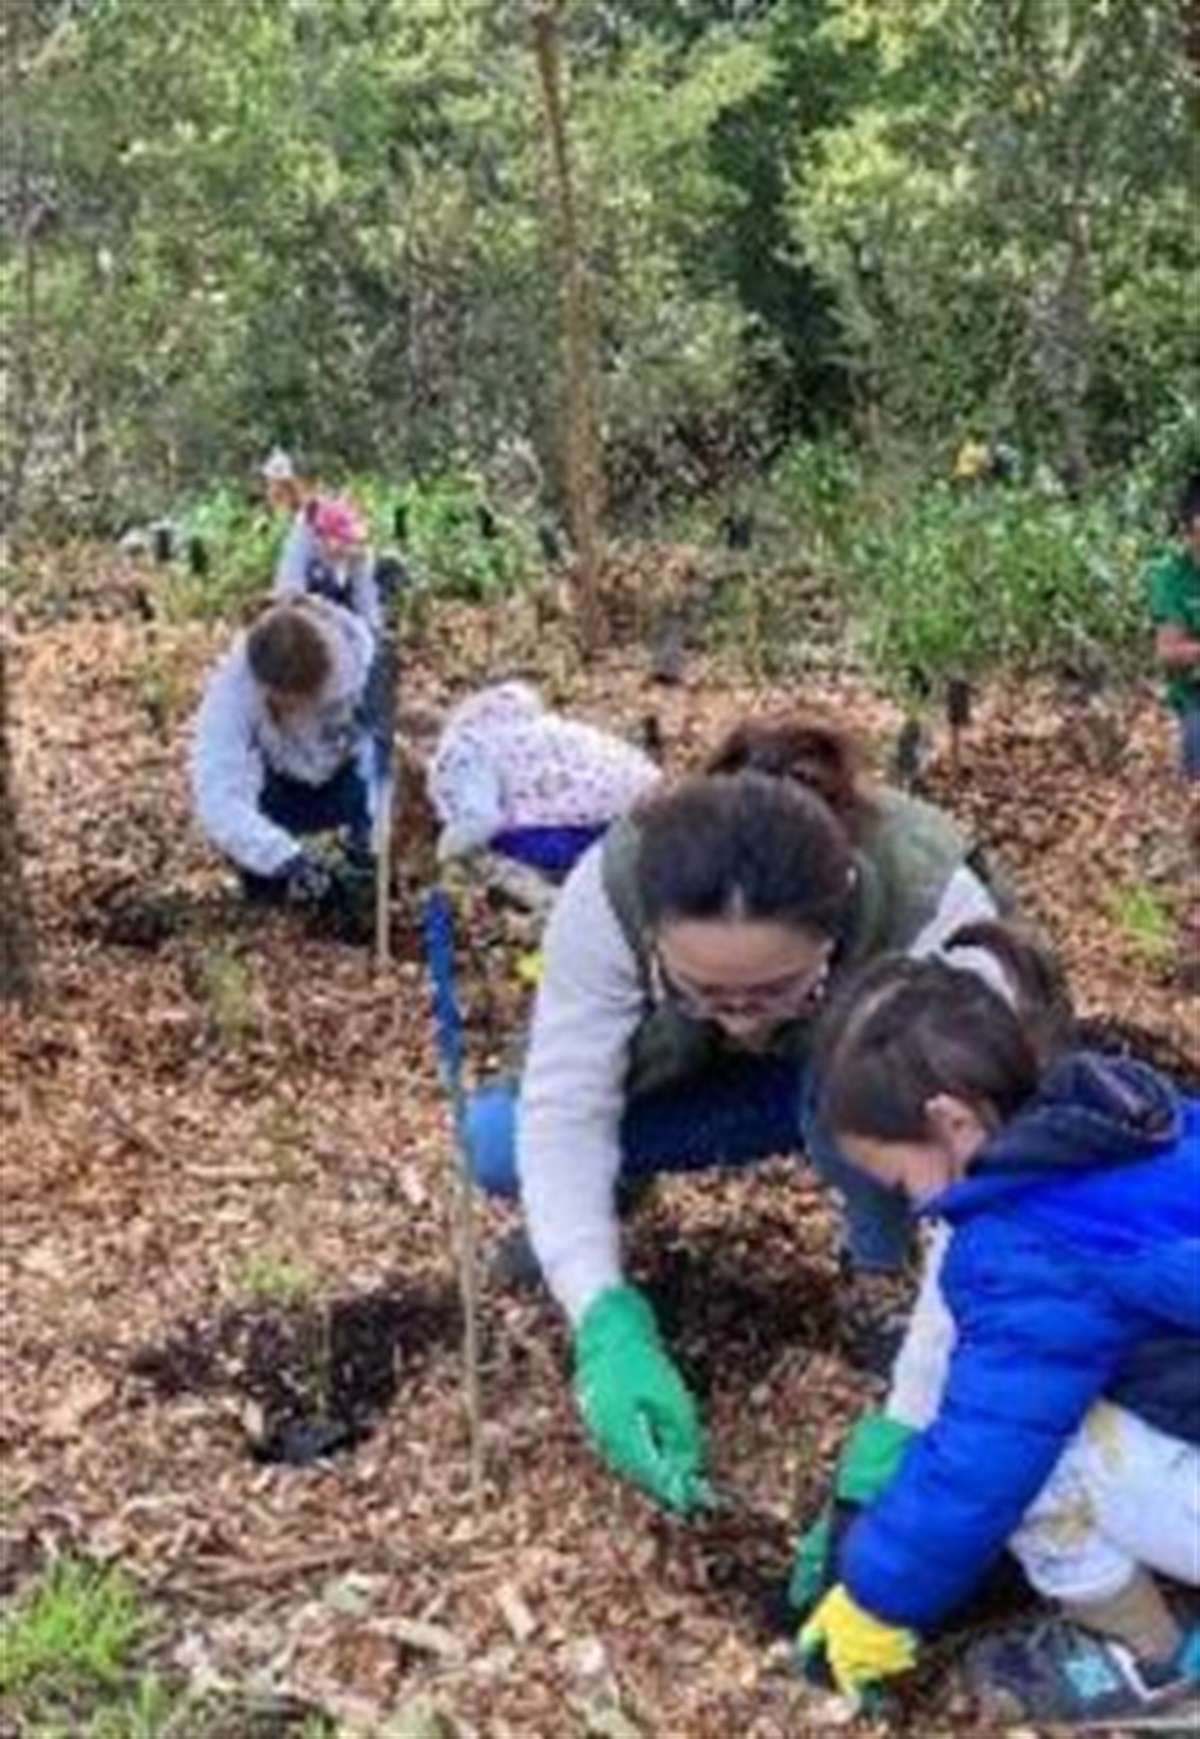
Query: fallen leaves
x=67, y=1415
x=155, y=1175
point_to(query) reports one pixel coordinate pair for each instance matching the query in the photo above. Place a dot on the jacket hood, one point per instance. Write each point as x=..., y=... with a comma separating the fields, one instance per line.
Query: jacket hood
x=1091, y=1113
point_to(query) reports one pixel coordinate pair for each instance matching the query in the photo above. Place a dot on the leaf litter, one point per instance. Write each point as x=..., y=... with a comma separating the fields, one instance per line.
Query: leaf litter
x=166, y=1164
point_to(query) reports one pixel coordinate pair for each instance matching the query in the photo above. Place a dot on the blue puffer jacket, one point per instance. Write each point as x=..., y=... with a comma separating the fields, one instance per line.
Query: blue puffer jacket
x=1073, y=1272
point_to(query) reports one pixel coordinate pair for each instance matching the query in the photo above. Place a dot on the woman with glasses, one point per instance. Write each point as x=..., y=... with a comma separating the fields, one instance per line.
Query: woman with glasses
x=684, y=966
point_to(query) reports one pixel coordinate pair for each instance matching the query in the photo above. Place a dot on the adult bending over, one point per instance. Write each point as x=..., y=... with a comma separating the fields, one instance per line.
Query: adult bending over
x=685, y=962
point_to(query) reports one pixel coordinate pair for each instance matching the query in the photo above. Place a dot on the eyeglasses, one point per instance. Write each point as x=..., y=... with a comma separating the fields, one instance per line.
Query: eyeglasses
x=782, y=999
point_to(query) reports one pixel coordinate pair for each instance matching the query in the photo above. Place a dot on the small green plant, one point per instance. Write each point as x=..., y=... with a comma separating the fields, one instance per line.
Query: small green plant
x=224, y=989
x=1144, y=921
x=69, y=1664
x=77, y=1630
x=275, y=1279
x=159, y=690
x=72, y=1666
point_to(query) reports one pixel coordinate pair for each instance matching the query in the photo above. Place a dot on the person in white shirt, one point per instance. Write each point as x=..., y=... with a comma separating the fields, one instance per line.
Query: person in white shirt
x=686, y=960
x=282, y=746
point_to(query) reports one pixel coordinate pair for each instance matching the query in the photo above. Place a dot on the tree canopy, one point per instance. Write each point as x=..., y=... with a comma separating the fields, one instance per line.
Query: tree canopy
x=325, y=221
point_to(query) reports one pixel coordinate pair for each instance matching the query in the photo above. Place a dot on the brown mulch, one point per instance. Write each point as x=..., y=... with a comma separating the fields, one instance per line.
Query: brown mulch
x=228, y=1184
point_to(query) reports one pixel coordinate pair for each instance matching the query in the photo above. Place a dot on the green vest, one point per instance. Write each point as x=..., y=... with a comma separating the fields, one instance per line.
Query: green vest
x=904, y=864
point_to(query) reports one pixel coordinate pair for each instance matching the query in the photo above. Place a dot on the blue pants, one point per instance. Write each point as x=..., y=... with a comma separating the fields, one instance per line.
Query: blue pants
x=1189, y=742
x=552, y=851
x=304, y=809
x=745, y=1112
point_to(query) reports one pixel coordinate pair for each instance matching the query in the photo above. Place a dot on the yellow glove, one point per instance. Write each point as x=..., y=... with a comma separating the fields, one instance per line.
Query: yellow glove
x=859, y=1650
x=529, y=969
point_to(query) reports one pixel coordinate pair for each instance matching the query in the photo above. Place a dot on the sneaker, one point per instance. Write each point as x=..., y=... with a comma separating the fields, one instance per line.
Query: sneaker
x=1056, y=1672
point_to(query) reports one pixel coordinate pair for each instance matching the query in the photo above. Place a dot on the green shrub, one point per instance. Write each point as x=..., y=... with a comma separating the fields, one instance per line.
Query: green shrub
x=448, y=554
x=968, y=580
x=941, y=578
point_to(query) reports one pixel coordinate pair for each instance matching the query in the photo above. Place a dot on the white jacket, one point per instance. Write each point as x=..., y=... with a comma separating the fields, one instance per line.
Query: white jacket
x=503, y=760
x=235, y=740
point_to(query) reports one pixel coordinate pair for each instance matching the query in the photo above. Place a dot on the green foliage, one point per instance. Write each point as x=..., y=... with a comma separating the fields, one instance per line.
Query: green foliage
x=73, y=1666
x=77, y=1631
x=819, y=488
x=447, y=552
x=275, y=1279
x=242, y=539
x=326, y=224
x=1006, y=217
x=941, y=578
x=1145, y=922
x=970, y=580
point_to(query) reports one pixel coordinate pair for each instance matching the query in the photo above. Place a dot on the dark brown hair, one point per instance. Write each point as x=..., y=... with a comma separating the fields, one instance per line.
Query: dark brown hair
x=745, y=846
x=811, y=753
x=287, y=652
x=905, y=1030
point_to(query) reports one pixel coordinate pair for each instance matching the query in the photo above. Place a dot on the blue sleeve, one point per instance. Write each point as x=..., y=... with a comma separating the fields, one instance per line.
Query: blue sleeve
x=1035, y=1347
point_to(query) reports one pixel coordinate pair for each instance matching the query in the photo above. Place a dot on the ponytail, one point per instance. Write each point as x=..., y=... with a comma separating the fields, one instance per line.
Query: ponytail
x=904, y=1031
x=808, y=752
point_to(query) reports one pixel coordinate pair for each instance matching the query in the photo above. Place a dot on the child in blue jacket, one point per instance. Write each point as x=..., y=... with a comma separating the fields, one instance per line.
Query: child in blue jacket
x=1068, y=1427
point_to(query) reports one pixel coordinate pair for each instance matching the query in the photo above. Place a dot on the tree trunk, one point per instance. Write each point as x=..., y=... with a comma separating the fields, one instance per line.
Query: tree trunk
x=17, y=953
x=583, y=467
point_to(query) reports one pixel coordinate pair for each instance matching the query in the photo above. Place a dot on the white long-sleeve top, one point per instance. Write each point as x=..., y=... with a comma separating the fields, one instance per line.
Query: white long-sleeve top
x=301, y=561
x=504, y=760
x=591, y=1000
x=235, y=739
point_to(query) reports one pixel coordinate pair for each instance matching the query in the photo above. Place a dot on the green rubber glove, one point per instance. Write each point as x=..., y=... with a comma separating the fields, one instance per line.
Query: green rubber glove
x=638, y=1410
x=866, y=1467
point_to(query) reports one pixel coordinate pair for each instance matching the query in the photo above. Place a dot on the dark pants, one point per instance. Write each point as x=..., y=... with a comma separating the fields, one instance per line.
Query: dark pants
x=305, y=809
x=748, y=1110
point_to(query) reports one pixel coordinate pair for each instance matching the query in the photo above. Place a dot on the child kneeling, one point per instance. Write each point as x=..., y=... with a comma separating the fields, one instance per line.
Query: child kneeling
x=1069, y=1422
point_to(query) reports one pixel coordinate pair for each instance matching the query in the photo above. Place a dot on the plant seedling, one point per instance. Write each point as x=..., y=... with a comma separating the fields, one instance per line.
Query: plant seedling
x=223, y=987
x=1144, y=922
x=275, y=1279
x=78, y=1627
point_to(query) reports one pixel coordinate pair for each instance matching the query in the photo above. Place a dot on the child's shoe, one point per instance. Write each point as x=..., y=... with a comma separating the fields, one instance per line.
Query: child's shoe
x=1055, y=1672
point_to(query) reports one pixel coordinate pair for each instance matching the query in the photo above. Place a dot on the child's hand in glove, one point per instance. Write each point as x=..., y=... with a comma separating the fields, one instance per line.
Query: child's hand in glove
x=859, y=1649
x=637, y=1408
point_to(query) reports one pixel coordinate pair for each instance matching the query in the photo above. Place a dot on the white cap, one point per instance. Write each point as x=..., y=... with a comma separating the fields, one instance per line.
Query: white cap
x=278, y=467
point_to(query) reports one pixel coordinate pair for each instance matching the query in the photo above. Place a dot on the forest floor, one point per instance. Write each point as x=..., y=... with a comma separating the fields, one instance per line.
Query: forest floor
x=228, y=1188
